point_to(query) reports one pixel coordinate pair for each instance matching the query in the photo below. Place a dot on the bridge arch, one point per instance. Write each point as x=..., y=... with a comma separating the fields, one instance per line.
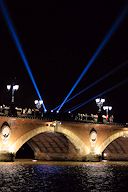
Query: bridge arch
x=75, y=140
x=110, y=140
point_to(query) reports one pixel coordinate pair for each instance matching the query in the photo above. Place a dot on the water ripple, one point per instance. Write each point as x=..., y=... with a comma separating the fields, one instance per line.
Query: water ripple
x=89, y=177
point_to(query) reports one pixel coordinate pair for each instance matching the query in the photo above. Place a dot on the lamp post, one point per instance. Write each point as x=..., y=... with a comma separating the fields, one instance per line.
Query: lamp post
x=99, y=102
x=13, y=88
x=38, y=103
x=107, y=108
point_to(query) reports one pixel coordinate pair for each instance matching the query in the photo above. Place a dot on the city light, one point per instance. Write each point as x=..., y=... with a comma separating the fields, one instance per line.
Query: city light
x=38, y=103
x=107, y=108
x=99, y=102
x=13, y=88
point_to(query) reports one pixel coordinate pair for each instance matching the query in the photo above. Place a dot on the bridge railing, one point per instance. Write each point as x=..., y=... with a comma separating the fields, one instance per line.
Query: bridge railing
x=35, y=114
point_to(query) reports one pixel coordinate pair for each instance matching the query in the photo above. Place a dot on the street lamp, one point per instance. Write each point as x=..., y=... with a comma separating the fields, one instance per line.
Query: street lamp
x=99, y=102
x=13, y=88
x=38, y=103
x=107, y=108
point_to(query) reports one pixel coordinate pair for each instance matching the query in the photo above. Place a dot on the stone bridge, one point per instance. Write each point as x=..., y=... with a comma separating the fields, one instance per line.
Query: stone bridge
x=55, y=140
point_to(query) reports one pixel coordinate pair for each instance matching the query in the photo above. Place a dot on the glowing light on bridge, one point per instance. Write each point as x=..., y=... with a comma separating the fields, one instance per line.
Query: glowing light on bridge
x=99, y=95
x=99, y=103
x=13, y=88
x=19, y=47
x=107, y=108
x=97, y=52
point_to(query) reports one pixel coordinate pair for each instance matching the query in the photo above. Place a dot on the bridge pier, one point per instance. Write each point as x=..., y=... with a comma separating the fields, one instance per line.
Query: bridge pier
x=57, y=156
x=92, y=157
x=6, y=156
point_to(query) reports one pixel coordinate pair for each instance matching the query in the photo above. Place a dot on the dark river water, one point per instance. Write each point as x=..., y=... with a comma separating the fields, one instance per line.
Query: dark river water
x=63, y=177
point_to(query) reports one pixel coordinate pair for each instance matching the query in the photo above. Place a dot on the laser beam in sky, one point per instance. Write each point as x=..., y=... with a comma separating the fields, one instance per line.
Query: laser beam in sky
x=96, y=82
x=96, y=96
x=19, y=47
x=97, y=52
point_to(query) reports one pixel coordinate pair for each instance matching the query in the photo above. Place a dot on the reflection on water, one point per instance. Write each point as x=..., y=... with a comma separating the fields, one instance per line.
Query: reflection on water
x=63, y=177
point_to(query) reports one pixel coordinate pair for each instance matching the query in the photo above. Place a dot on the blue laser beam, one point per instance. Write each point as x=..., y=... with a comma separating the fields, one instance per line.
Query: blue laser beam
x=95, y=82
x=19, y=47
x=97, y=52
x=99, y=95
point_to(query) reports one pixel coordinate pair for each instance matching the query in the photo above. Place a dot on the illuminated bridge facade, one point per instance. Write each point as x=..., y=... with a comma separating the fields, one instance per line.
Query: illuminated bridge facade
x=55, y=140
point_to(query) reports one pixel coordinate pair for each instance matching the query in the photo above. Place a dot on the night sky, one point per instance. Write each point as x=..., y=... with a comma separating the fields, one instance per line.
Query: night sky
x=58, y=39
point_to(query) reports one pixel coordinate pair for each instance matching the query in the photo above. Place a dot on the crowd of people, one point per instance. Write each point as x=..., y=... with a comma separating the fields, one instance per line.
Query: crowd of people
x=38, y=113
